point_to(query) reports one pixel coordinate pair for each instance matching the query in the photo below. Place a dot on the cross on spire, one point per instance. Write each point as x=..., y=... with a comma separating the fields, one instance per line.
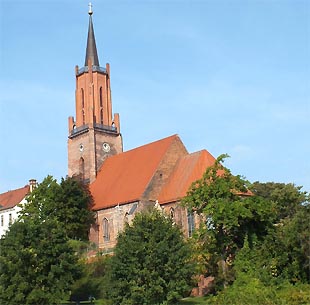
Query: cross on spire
x=91, y=49
x=90, y=8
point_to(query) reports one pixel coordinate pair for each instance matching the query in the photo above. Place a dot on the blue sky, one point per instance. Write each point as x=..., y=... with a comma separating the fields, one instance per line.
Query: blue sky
x=227, y=76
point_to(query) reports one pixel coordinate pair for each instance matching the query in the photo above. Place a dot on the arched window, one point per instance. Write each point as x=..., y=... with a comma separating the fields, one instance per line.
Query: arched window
x=82, y=167
x=190, y=223
x=83, y=116
x=105, y=229
x=126, y=220
x=83, y=105
x=172, y=213
x=101, y=116
x=100, y=97
x=82, y=98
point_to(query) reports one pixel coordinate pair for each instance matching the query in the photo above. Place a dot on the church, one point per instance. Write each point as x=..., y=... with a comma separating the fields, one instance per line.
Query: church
x=123, y=183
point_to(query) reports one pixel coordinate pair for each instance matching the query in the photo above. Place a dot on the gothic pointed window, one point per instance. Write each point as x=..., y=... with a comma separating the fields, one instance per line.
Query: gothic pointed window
x=82, y=98
x=101, y=105
x=126, y=218
x=82, y=168
x=190, y=223
x=83, y=106
x=100, y=97
x=105, y=229
x=83, y=116
x=101, y=116
x=172, y=214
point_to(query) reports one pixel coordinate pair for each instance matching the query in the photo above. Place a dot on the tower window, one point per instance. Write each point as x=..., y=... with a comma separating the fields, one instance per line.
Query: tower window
x=83, y=106
x=10, y=219
x=82, y=98
x=100, y=97
x=105, y=227
x=101, y=116
x=82, y=169
x=83, y=116
x=2, y=221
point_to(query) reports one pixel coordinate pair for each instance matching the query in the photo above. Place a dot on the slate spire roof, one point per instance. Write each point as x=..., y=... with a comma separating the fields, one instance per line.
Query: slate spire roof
x=91, y=49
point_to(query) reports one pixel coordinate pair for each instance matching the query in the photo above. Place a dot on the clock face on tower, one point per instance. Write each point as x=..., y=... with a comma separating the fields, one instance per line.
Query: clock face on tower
x=106, y=147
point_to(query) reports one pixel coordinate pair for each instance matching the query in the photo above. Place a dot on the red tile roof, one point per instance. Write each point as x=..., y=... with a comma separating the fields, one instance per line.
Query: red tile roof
x=188, y=169
x=123, y=178
x=11, y=198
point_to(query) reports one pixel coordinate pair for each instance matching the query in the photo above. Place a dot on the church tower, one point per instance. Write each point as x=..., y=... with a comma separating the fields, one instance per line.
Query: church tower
x=94, y=134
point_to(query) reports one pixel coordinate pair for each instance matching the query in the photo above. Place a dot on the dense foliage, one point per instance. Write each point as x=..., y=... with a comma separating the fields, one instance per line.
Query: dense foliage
x=92, y=282
x=285, y=198
x=231, y=213
x=151, y=263
x=285, y=252
x=37, y=259
x=251, y=291
x=68, y=202
x=255, y=237
x=37, y=264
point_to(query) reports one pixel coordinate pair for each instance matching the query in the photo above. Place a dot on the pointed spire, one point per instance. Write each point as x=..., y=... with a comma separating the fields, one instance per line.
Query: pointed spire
x=91, y=49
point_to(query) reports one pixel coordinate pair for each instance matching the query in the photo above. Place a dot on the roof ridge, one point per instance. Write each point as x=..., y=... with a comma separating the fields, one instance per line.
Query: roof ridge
x=11, y=198
x=187, y=170
x=152, y=143
x=120, y=155
x=173, y=138
x=18, y=189
x=131, y=172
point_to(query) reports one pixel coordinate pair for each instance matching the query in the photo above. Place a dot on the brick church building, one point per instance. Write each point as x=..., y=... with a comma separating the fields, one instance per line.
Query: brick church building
x=124, y=183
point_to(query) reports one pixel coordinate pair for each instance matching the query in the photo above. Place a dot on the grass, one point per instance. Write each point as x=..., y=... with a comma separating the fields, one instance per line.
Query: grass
x=186, y=301
x=96, y=302
x=192, y=301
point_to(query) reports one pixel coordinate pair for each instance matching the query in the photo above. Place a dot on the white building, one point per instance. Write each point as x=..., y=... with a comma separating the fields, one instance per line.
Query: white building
x=10, y=205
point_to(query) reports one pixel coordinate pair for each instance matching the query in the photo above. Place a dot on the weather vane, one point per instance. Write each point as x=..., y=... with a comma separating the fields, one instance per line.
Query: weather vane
x=90, y=8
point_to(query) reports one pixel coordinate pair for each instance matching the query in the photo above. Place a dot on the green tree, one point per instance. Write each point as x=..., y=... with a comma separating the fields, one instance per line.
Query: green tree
x=69, y=203
x=267, y=273
x=277, y=267
x=38, y=262
x=231, y=213
x=38, y=266
x=75, y=205
x=286, y=198
x=92, y=282
x=151, y=263
x=285, y=252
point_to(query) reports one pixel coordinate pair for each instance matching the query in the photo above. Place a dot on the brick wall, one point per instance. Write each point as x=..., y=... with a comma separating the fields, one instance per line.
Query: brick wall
x=164, y=170
x=92, y=152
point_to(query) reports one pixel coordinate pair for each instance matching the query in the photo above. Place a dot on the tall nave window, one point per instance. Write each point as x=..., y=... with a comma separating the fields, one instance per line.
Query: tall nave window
x=190, y=223
x=105, y=227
